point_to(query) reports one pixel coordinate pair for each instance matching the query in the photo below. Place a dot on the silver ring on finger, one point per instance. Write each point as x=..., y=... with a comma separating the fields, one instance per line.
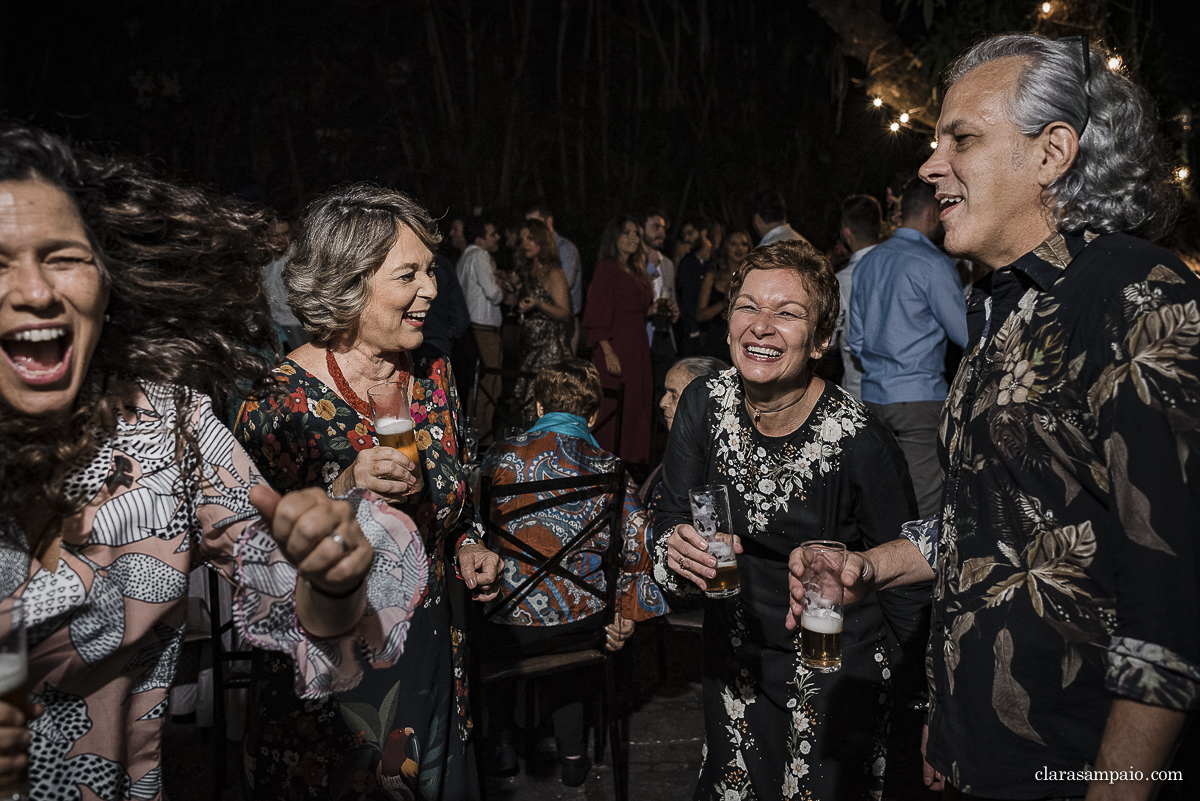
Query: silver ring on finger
x=340, y=540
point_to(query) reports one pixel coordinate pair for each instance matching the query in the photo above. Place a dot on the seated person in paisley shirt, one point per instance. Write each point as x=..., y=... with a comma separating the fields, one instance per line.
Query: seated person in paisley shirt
x=557, y=615
x=128, y=306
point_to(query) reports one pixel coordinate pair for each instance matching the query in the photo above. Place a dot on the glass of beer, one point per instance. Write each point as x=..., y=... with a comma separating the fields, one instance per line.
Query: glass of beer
x=821, y=621
x=711, y=519
x=393, y=422
x=14, y=686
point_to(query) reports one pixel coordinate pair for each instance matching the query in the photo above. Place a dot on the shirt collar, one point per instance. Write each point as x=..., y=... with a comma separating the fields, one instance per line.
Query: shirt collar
x=912, y=234
x=1045, y=263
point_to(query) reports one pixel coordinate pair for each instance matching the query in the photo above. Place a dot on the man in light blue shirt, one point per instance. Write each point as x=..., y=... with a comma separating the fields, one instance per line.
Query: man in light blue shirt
x=906, y=301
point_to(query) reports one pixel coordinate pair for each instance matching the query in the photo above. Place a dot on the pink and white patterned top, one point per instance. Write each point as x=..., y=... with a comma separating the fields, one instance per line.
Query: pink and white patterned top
x=106, y=623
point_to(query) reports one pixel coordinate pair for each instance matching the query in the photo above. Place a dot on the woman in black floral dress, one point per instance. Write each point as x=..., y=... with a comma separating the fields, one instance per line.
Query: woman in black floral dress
x=358, y=279
x=803, y=461
x=545, y=308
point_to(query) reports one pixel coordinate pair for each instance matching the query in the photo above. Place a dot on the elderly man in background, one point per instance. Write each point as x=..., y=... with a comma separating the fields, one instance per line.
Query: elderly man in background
x=1065, y=653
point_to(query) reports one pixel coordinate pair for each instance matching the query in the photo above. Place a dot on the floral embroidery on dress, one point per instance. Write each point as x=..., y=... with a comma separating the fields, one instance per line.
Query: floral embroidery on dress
x=770, y=480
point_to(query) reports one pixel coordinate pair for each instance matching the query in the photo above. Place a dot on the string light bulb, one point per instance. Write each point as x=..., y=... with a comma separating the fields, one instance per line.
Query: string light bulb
x=933, y=145
x=1182, y=173
x=877, y=102
x=895, y=126
x=1114, y=63
x=1046, y=8
x=904, y=117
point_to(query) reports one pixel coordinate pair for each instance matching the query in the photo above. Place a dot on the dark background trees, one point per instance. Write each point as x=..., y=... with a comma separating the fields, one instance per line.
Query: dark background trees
x=593, y=105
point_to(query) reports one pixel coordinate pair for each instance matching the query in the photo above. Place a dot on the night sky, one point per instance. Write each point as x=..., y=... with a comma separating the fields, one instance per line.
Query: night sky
x=596, y=106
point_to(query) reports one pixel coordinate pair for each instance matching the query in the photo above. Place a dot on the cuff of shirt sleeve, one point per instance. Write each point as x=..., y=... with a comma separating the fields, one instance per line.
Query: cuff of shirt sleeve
x=1152, y=674
x=670, y=581
x=924, y=535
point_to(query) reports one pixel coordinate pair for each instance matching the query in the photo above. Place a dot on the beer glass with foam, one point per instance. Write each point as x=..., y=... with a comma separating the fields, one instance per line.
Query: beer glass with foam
x=393, y=422
x=14, y=686
x=821, y=621
x=711, y=519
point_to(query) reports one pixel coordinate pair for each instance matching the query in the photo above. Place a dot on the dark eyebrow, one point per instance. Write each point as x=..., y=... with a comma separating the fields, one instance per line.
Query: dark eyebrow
x=954, y=128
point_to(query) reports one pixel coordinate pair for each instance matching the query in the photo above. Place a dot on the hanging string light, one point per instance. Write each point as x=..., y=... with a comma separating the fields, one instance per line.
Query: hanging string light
x=1114, y=63
x=1182, y=173
x=877, y=102
x=895, y=126
x=933, y=144
x=904, y=118
x=1047, y=8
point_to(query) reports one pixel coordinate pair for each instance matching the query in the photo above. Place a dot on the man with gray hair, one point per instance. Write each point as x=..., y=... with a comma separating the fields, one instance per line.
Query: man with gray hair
x=1065, y=647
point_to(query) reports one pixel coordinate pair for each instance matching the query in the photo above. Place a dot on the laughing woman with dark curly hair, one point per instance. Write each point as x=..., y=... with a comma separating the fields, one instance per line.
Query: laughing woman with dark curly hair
x=128, y=305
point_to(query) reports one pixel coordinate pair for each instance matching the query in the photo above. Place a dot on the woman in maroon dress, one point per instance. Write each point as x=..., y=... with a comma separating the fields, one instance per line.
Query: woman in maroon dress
x=619, y=300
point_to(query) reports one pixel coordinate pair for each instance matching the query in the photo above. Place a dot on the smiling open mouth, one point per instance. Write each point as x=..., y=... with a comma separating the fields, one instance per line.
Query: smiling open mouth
x=946, y=202
x=762, y=352
x=415, y=318
x=39, y=355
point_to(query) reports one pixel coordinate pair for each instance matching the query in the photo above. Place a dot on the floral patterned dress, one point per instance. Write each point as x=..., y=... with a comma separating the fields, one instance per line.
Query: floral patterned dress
x=402, y=733
x=544, y=341
x=773, y=729
x=105, y=624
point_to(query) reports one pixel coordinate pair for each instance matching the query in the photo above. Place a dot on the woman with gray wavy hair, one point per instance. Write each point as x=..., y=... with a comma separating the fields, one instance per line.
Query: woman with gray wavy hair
x=358, y=279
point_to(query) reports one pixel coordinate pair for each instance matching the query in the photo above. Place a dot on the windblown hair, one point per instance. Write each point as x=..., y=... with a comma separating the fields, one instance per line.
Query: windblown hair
x=814, y=270
x=183, y=267
x=1119, y=181
x=636, y=266
x=344, y=237
x=571, y=386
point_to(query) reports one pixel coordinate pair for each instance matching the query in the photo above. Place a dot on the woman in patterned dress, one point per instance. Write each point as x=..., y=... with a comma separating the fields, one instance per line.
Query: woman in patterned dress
x=125, y=304
x=545, y=308
x=358, y=278
x=803, y=461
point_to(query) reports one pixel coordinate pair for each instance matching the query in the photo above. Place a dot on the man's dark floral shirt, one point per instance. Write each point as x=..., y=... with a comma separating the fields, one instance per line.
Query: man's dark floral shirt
x=1067, y=558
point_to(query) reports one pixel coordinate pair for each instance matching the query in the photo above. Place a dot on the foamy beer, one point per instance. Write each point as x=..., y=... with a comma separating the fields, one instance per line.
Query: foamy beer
x=821, y=621
x=393, y=423
x=14, y=686
x=711, y=519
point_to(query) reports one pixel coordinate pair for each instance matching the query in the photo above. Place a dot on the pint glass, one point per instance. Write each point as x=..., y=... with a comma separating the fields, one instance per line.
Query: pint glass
x=711, y=519
x=393, y=422
x=821, y=621
x=14, y=686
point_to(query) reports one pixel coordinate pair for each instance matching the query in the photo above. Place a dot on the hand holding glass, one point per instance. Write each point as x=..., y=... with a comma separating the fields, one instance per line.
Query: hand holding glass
x=393, y=422
x=821, y=622
x=712, y=521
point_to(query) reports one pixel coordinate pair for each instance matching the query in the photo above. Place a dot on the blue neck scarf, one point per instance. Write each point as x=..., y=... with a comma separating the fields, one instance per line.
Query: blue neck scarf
x=567, y=425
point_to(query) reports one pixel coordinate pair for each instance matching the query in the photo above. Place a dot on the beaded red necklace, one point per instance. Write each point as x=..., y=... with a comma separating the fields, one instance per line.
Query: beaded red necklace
x=349, y=395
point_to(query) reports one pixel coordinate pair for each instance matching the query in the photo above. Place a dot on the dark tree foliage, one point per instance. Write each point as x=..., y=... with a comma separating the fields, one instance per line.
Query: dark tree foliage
x=595, y=106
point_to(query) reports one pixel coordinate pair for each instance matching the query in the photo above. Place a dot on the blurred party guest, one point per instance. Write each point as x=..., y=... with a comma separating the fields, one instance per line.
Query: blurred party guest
x=568, y=256
x=802, y=461
x=448, y=317
x=620, y=299
x=661, y=270
x=689, y=277
x=358, y=277
x=482, y=286
x=126, y=305
x=713, y=302
x=545, y=308
x=558, y=615
x=906, y=304
x=862, y=221
x=770, y=219
x=682, y=373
